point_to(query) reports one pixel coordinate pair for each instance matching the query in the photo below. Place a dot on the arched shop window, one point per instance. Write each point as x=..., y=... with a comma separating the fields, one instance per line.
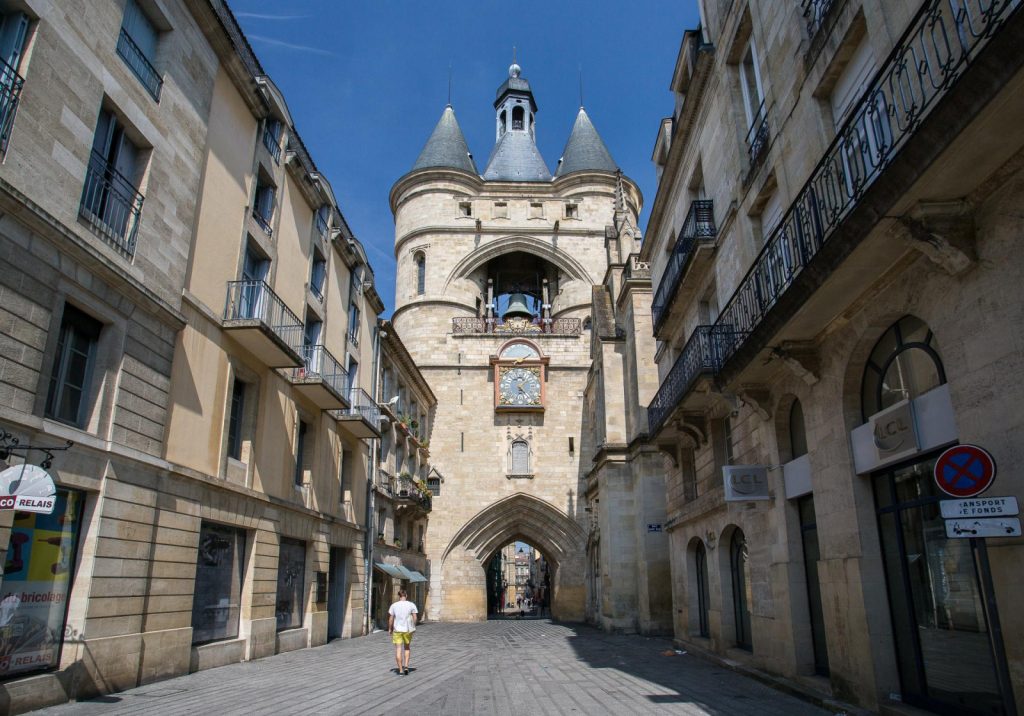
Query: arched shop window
x=797, y=431
x=740, y=587
x=905, y=363
x=701, y=564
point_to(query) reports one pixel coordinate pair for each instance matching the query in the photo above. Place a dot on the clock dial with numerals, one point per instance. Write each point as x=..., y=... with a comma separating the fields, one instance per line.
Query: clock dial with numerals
x=519, y=387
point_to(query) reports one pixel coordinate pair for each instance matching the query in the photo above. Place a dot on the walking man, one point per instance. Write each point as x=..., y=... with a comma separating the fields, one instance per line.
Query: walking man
x=402, y=617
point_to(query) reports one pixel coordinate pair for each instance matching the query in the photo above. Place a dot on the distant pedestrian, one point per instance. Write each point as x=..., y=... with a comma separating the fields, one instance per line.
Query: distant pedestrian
x=402, y=618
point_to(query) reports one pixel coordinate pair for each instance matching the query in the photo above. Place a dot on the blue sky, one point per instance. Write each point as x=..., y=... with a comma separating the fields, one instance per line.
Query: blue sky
x=367, y=81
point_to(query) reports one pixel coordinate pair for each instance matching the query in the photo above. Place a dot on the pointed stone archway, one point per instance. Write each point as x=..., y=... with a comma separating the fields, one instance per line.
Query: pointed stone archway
x=518, y=517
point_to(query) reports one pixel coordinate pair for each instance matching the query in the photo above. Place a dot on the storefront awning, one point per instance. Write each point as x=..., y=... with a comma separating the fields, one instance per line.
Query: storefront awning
x=390, y=570
x=416, y=576
x=406, y=574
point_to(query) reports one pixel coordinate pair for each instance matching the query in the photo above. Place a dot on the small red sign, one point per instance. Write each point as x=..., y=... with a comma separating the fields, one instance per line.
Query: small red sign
x=964, y=471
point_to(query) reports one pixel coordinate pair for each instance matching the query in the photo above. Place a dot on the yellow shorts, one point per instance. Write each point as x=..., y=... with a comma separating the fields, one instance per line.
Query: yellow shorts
x=401, y=637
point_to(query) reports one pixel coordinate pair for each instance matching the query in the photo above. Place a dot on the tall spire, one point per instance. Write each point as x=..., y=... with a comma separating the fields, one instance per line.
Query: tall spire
x=585, y=149
x=515, y=156
x=447, y=146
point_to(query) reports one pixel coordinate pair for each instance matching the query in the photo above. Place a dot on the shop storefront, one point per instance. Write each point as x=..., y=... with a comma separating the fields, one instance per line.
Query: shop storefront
x=36, y=586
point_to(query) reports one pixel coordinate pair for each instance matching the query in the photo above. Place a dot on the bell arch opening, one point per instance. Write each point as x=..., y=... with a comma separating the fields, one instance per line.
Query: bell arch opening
x=467, y=591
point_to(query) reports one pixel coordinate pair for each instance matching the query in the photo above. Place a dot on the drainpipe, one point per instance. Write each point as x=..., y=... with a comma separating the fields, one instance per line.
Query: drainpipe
x=371, y=476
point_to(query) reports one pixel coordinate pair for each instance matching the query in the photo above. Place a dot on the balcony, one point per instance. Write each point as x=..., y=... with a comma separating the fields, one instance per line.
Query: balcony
x=698, y=358
x=471, y=325
x=321, y=378
x=757, y=140
x=411, y=496
x=384, y=484
x=362, y=416
x=258, y=319
x=939, y=47
x=272, y=141
x=10, y=95
x=698, y=230
x=139, y=64
x=111, y=204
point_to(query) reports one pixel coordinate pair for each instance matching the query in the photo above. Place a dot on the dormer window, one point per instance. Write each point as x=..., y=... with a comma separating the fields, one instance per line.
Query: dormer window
x=518, y=115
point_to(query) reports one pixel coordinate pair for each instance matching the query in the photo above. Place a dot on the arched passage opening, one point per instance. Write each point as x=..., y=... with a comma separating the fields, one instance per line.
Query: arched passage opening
x=518, y=583
x=521, y=518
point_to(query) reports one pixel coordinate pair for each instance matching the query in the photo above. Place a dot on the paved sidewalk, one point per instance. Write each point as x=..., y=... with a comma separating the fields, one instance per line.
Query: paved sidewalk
x=526, y=667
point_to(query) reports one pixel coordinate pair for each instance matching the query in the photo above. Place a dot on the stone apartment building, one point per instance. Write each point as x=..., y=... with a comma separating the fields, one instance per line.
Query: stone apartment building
x=405, y=481
x=183, y=301
x=836, y=300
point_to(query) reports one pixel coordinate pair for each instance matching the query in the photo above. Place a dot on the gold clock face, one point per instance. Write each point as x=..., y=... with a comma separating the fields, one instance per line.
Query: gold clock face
x=519, y=387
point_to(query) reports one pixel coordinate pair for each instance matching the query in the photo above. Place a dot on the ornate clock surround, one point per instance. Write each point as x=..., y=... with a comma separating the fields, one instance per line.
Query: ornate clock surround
x=517, y=355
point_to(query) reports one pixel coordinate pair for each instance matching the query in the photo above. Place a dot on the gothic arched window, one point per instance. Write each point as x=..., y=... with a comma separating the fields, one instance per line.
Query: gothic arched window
x=519, y=458
x=421, y=273
x=905, y=363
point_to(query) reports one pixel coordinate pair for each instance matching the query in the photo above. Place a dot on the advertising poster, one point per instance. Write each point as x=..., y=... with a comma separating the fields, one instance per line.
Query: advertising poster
x=36, y=582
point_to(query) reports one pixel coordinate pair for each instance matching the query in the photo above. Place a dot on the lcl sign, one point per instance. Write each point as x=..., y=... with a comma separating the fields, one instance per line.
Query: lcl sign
x=745, y=482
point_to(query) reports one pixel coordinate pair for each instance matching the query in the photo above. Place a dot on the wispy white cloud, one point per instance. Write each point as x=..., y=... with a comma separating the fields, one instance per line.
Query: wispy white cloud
x=290, y=45
x=262, y=16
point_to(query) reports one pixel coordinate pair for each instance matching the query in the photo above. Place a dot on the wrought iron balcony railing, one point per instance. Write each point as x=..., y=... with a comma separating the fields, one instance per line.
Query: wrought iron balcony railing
x=699, y=226
x=256, y=301
x=757, y=138
x=262, y=221
x=637, y=269
x=941, y=40
x=10, y=95
x=814, y=13
x=318, y=362
x=471, y=325
x=699, y=356
x=362, y=405
x=112, y=204
x=139, y=64
x=272, y=142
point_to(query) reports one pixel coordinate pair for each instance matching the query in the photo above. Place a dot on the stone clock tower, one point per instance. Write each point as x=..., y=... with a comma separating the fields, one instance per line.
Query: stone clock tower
x=493, y=298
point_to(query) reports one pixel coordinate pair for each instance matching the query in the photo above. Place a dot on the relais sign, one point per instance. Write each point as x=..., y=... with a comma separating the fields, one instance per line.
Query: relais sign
x=27, y=488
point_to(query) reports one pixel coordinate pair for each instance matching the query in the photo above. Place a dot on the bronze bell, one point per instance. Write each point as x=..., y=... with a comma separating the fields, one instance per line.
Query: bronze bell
x=517, y=307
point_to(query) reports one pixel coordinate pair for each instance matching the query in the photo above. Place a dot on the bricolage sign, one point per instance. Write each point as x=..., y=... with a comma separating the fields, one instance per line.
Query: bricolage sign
x=27, y=488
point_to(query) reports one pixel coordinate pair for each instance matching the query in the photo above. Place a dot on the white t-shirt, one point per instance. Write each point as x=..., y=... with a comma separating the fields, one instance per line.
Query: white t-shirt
x=404, y=613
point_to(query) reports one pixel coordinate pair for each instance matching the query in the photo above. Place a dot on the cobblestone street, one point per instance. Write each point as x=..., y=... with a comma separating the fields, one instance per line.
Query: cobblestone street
x=497, y=667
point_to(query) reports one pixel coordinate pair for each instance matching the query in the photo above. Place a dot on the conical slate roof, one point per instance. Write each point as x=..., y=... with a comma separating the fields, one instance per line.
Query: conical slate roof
x=446, y=146
x=515, y=158
x=585, y=149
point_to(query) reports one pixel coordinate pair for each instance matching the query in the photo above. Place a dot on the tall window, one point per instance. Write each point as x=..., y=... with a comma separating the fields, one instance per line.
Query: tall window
x=272, y=130
x=753, y=104
x=421, y=273
x=111, y=201
x=353, y=324
x=518, y=113
x=519, y=463
x=701, y=569
x=740, y=569
x=137, y=47
x=291, y=580
x=68, y=399
x=318, y=275
x=345, y=473
x=253, y=300
x=905, y=363
x=263, y=204
x=13, y=30
x=238, y=390
x=353, y=372
x=301, y=449
x=217, y=600
x=382, y=517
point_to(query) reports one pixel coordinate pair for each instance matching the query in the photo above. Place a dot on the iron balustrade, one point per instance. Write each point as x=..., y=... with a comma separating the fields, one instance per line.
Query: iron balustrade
x=757, y=138
x=353, y=338
x=139, y=64
x=10, y=95
x=472, y=325
x=637, y=269
x=318, y=362
x=698, y=356
x=699, y=226
x=814, y=13
x=317, y=291
x=262, y=221
x=112, y=204
x=272, y=142
x=363, y=406
x=253, y=300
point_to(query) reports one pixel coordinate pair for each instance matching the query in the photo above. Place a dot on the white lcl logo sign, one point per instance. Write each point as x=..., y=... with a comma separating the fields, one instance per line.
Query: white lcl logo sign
x=745, y=482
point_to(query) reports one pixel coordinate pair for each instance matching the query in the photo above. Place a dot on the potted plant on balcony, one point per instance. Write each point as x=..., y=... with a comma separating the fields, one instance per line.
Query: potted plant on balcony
x=405, y=478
